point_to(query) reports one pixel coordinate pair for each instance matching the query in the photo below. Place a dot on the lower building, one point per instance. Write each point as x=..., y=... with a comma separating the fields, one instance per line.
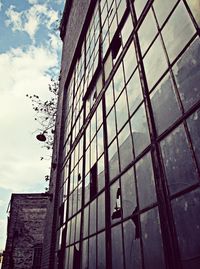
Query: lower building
x=25, y=231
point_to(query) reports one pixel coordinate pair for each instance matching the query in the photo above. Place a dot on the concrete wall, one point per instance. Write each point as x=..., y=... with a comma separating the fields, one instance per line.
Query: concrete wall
x=25, y=230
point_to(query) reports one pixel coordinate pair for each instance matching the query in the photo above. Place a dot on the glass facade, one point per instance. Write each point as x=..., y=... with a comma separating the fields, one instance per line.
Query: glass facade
x=130, y=192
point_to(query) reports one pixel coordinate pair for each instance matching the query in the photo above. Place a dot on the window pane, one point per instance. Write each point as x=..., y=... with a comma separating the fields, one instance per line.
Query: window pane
x=152, y=241
x=109, y=97
x=101, y=173
x=101, y=211
x=178, y=161
x=132, y=246
x=101, y=251
x=194, y=127
x=195, y=8
x=162, y=9
x=121, y=110
x=92, y=253
x=129, y=202
x=139, y=6
x=111, y=127
x=113, y=160
x=165, y=105
x=125, y=147
x=187, y=73
x=154, y=58
x=115, y=205
x=140, y=130
x=84, y=262
x=129, y=61
x=187, y=220
x=127, y=29
x=117, y=251
x=147, y=31
x=178, y=31
x=118, y=81
x=93, y=217
x=145, y=181
x=134, y=92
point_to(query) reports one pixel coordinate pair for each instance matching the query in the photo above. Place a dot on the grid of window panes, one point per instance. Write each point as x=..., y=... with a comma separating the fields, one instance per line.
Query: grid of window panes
x=139, y=147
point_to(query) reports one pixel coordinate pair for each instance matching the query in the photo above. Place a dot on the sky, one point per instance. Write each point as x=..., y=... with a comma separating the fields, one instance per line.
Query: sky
x=30, y=52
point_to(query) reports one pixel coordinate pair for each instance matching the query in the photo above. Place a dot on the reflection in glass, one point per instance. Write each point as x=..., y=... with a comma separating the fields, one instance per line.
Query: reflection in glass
x=152, y=241
x=125, y=147
x=162, y=9
x=187, y=73
x=118, y=81
x=113, y=160
x=85, y=224
x=140, y=130
x=187, y=220
x=154, y=58
x=165, y=105
x=121, y=110
x=115, y=201
x=109, y=97
x=179, y=28
x=87, y=188
x=194, y=127
x=134, y=92
x=100, y=141
x=129, y=202
x=139, y=6
x=145, y=181
x=129, y=61
x=84, y=262
x=101, y=260
x=117, y=250
x=132, y=246
x=147, y=31
x=178, y=161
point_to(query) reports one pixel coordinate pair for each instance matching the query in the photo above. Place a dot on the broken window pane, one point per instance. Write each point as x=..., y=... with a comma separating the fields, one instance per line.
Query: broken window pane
x=115, y=202
x=129, y=202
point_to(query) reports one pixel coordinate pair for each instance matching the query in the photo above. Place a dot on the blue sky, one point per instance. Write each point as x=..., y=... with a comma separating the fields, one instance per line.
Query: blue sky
x=30, y=51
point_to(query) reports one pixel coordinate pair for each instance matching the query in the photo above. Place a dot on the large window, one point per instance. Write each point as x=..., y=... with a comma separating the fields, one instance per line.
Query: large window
x=129, y=196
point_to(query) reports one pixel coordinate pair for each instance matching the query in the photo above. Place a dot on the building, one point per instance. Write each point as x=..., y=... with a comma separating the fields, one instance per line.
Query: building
x=25, y=231
x=126, y=164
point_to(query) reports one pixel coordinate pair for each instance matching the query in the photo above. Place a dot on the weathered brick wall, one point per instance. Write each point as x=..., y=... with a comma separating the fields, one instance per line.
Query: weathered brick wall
x=25, y=230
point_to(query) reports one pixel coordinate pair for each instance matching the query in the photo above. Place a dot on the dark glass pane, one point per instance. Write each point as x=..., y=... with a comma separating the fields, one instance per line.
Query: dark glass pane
x=101, y=260
x=178, y=31
x=134, y=92
x=147, y=31
x=145, y=181
x=132, y=246
x=125, y=146
x=93, y=217
x=87, y=188
x=162, y=9
x=113, y=160
x=187, y=73
x=101, y=211
x=194, y=127
x=152, y=241
x=121, y=110
x=101, y=173
x=92, y=253
x=187, y=220
x=195, y=8
x=178, y=161
x=154, y=58
x=117, y=250
x=165, y=105
x=129, y=202
x=140, y=131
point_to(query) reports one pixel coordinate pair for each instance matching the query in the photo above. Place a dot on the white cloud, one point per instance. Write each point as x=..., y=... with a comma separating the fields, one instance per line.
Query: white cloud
x=1, y=5
x=31, y=20
x=22, y=72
